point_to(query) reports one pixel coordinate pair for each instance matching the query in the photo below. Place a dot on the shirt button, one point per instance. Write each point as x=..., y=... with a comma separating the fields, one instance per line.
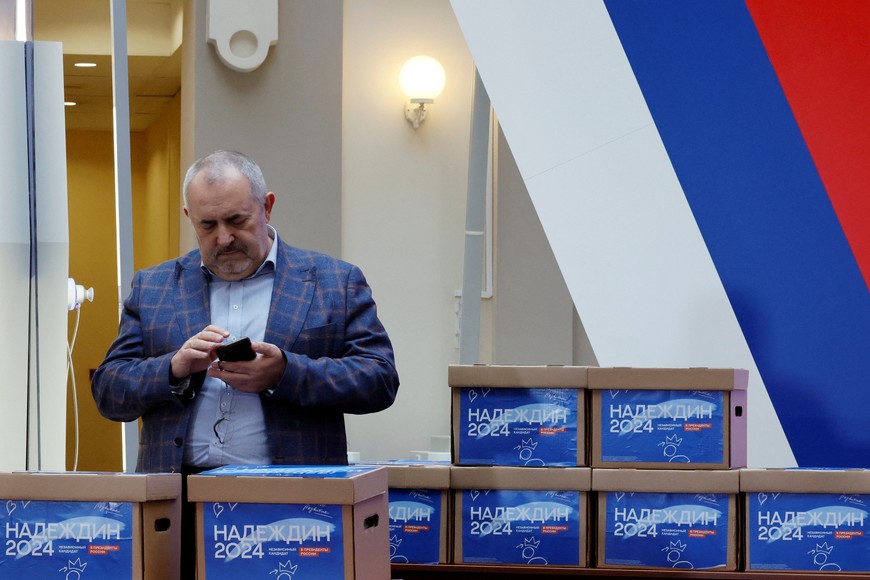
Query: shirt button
x=178, y=441
x=235, y=306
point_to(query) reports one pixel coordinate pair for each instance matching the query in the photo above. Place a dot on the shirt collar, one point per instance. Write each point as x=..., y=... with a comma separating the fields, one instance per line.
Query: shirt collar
x=268, y=265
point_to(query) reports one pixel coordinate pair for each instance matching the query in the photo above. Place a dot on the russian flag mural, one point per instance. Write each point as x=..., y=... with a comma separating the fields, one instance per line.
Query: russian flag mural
x=702, y=171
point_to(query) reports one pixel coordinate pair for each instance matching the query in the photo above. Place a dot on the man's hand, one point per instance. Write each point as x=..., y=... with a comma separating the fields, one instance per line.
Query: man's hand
x=253, y=376
x=196, y=354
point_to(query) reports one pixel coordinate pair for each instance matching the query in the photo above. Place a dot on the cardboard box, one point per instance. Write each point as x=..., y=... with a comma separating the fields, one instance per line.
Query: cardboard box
x=668, y=418
x=519, y=515
x=524, y=416
x=806, y=519
x=326, y=521
x=114, y=525
x=667, y=519
x=420, y=517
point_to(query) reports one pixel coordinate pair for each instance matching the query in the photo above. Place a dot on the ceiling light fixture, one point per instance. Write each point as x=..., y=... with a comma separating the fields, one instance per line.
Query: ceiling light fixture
x=20, y=20
x=85, y=64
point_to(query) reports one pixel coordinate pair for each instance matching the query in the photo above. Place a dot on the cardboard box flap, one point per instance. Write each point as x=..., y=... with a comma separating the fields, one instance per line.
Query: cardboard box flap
x=555, y=376
x=666, y=481
x=806, y=480
x=418, y=476
x=676, y=379
x=346, y=485
x=522, y=478
x=90, y=486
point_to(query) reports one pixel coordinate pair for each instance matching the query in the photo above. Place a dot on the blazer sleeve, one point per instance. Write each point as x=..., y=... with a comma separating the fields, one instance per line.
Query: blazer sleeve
x=132, y=380
x=348, y=365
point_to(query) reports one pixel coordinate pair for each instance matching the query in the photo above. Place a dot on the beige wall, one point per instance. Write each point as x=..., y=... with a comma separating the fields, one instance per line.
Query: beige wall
x=404, y=198
x=403, y=203
x=286, y=114
x=92, y=263
x=157, y=205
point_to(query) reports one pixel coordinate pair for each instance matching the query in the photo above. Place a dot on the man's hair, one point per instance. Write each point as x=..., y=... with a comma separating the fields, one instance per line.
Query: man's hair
x=214, y=166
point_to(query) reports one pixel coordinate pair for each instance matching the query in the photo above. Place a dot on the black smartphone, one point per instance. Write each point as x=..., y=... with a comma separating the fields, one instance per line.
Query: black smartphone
x=236, y=351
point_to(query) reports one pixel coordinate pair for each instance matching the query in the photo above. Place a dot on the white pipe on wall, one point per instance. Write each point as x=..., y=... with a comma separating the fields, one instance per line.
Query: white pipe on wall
x=123, y=188
x=475, y=224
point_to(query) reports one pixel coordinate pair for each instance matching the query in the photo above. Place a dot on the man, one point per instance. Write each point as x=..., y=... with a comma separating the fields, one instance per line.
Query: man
x=320, y=349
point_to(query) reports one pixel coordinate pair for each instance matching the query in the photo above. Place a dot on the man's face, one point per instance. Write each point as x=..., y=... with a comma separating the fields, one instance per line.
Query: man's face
x=229, y=224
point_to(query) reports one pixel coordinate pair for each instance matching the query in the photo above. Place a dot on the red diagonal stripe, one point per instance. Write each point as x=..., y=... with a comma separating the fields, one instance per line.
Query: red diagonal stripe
x=820, y=50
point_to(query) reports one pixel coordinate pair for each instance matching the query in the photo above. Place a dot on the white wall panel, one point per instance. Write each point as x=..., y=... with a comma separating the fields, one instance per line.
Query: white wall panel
x=14, y=257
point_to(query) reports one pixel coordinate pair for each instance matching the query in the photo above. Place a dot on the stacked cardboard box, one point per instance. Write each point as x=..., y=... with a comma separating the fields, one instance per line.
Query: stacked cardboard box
x=667, y=519
x=521, y=515
x=806, y=519
x=524, y=416
x=659, y=418
x=114, y=525
x=520, y=479
x=419, y=496
x=292, y=521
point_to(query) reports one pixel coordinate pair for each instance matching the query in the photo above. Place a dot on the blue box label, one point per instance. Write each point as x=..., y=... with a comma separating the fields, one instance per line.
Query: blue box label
x=415, y=526
x=817, y=531
x=66, y=539
x=272, y=540
x=521, y=527
x=518, y=427
x=313, y=471
x=667, y=530
x=662, y=426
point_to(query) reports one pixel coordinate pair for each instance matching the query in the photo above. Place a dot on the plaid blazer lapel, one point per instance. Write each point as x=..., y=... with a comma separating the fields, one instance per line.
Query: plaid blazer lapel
x=291, y=297
x=192, y=298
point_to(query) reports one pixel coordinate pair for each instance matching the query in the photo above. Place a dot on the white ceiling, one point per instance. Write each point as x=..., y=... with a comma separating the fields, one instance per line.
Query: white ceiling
x=154, y=61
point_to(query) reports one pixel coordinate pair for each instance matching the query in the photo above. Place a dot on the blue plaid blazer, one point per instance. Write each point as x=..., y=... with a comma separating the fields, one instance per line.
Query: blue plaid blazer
x=322, y=315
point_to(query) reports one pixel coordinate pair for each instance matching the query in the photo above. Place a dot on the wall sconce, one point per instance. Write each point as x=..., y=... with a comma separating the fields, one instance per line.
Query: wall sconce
x=422, y=80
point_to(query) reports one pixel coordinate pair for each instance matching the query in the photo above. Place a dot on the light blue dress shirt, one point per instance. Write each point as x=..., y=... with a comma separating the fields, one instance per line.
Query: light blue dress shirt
x=226, y=425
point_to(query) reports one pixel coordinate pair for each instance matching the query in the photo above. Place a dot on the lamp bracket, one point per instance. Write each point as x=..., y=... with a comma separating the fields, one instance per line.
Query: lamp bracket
x=415, y=111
